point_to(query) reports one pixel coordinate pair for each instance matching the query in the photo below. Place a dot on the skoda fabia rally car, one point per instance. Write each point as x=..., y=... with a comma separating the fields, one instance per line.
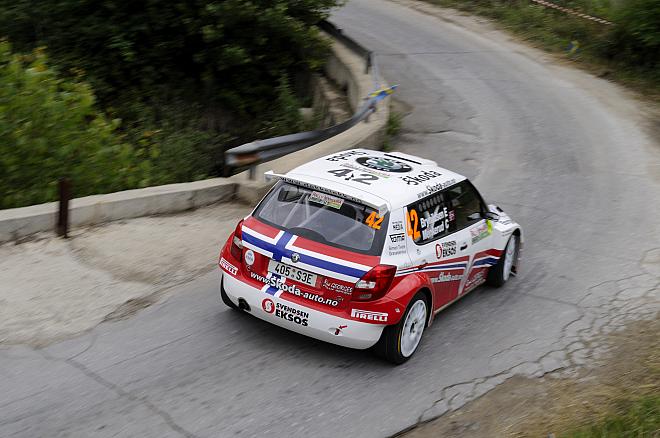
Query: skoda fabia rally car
x=363, y=248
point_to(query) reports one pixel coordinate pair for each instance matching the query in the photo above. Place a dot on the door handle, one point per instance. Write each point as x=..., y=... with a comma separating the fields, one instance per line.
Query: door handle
x=463, y=246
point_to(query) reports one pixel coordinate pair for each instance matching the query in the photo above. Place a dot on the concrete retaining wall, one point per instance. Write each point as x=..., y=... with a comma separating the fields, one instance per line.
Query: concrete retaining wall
x=347, y=70
x=344, y=68
x=17, y=223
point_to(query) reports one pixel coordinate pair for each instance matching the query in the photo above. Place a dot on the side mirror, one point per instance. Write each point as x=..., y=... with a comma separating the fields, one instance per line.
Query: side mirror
x=492, y=216
x=484, y=215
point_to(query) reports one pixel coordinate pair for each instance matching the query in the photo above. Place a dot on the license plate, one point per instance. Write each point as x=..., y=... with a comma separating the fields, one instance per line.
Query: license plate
x=292, y=273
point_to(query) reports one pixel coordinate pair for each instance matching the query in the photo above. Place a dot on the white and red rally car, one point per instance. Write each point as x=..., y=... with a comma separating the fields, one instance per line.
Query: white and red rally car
x=363, y=248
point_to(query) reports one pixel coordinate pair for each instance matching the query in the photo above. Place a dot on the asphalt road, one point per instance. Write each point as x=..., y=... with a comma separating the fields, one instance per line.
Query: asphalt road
x=564, y=154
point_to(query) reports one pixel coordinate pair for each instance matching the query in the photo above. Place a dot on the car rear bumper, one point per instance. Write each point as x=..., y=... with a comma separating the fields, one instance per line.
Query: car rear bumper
x=301, y=319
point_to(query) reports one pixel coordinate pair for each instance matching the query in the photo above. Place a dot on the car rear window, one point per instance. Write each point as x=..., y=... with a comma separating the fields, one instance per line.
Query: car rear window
x=324, y=218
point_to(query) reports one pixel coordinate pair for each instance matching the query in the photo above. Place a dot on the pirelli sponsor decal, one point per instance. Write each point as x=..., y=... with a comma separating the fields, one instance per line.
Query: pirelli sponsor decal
x=224, y=264
x=369, y=315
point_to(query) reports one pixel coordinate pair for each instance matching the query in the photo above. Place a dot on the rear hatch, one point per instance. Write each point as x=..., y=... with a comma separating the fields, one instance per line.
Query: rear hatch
x=311, y=245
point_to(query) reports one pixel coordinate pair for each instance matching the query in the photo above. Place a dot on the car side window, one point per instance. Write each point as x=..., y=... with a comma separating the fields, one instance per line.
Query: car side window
x=465, y=204
x=427, y=219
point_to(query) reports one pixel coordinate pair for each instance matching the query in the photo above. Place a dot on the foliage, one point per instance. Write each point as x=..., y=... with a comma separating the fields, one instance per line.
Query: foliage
x=50, y=129
x=628, y=51
x=636, y=36
x=186, y=79
x=636, y=418
x=233, y=52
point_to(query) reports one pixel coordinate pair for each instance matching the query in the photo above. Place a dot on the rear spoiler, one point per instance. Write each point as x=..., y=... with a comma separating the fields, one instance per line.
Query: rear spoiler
x=270, y=175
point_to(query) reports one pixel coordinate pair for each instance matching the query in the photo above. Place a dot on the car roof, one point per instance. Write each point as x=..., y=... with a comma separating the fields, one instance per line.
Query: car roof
x=397, y=179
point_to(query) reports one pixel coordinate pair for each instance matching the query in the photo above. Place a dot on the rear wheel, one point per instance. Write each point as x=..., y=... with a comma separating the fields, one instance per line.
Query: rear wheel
x=225, y=297
x=500, y=273
x=399, y=342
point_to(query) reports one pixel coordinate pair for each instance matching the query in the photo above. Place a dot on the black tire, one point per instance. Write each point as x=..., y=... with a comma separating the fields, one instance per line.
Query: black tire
x=388, y=346
x=225, y=297
x=496, y=274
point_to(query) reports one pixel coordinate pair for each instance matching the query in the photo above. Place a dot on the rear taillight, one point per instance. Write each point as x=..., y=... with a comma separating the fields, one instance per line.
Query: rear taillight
x=374, y=284
x=236, y=248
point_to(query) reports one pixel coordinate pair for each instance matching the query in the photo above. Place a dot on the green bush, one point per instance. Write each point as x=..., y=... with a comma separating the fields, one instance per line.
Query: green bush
x=628, y=50
x=231, y=52
x=636, y=36
x=50, y=129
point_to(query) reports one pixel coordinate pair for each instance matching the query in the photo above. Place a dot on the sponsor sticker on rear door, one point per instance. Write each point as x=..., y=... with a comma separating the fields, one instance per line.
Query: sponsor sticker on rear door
x=327, y=200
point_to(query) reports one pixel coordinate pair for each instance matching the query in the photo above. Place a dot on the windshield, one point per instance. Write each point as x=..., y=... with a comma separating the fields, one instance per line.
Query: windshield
x=324, y=218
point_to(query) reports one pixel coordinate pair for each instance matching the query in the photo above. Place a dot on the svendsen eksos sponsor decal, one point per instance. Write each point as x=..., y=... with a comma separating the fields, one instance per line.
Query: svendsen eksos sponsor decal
x=278, y=283
x=286, y=312
x=224, y=264
x=369, y=315
x=446, y=249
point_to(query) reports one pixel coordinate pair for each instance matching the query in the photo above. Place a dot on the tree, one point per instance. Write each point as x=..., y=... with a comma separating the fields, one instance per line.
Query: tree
x=50, y=129
x=234, y=52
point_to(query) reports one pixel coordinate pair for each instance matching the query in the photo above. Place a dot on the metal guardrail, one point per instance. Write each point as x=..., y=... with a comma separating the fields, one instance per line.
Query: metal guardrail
x=349, y=42
x=260, y=151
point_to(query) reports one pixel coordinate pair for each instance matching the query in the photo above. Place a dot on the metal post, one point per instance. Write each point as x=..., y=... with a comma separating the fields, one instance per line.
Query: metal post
x=64, y=188
x=252, y=173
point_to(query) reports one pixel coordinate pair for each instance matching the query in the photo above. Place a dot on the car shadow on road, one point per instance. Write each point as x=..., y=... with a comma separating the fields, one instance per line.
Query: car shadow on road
x=259, y=335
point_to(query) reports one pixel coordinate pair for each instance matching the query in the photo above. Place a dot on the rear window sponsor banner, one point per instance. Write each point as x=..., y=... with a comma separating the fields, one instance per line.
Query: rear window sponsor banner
x=381, y=208
x=369, y=315
x=224, y=264
x=326, y=199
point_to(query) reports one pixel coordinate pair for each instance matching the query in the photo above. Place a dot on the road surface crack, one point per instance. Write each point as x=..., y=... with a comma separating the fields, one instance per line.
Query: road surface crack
x=166, y=417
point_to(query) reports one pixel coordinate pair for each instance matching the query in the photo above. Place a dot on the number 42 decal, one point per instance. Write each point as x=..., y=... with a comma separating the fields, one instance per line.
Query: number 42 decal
x=348, y=175
x=412, y=224
x=374, y=221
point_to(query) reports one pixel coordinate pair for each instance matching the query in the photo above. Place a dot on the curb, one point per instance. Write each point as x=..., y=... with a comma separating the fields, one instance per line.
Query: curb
x=17, y=223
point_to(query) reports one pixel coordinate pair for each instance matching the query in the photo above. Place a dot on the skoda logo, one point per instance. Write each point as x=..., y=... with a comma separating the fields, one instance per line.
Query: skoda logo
x=384, y=164
x=295, y=257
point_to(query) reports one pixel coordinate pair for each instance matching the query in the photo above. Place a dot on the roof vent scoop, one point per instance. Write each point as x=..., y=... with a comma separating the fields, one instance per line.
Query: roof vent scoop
x=411, y=159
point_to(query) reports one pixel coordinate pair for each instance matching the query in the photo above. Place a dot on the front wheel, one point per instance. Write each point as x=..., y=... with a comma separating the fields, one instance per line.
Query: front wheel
x=399, y=342
x=500, y=273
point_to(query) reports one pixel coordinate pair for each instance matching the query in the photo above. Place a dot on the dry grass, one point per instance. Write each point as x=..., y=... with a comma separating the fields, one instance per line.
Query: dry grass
x=618, y=397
